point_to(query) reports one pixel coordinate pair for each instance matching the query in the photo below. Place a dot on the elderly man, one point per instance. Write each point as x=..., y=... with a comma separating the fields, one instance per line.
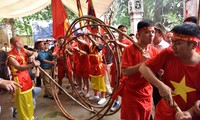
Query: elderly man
x=159, y=41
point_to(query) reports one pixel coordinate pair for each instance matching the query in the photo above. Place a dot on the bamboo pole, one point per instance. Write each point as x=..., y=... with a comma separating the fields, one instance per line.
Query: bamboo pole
x=52, y=80
x=176, y=107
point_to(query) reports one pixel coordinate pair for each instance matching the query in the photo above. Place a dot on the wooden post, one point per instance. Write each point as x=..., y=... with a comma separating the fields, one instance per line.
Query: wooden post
x=198, y=19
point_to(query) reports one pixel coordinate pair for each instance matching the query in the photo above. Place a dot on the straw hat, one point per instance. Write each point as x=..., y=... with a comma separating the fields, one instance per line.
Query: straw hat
x=160, y=27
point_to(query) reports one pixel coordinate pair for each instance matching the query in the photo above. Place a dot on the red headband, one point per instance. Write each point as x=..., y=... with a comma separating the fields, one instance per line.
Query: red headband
x=185, y=37
x=146, y=28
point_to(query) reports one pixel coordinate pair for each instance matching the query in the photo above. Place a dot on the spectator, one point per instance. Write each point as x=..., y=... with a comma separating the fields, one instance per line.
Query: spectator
x=47, y=62
x=6, y=47
x=159, y=41
x=168, y=37
x=3, y=68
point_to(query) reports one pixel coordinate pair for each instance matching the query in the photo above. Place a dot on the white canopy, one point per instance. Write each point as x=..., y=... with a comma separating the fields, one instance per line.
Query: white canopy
x=20, y=8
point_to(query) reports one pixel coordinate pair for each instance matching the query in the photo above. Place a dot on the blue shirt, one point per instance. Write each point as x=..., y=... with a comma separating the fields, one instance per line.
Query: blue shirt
x=43, y=55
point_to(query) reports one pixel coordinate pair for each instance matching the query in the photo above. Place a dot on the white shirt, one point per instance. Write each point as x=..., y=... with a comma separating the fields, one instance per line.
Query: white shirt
x=162, y=45
x=7, y=49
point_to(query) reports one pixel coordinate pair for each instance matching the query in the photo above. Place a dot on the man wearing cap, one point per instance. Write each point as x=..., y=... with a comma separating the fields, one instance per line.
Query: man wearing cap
x=180, y=82
x=160, y=44
x=159, y=41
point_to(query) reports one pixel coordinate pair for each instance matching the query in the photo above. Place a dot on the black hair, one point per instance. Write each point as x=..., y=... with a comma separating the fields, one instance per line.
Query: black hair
x=40, y=42
x=144, y=23
x=60, y=38
x=131, y=34
x=26, y=47
x=31, y=49
x=191, y=19
x=190, y=29
x=79, y=34
x=120, y=26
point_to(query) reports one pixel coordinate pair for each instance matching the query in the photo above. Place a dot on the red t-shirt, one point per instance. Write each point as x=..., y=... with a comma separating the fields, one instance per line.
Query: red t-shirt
x=82, y=62
x=60, y=60
x=126, y=41
x=61, y=63
x=183, y=79
x=137, y=92
x=132, y=56
x=113, y=67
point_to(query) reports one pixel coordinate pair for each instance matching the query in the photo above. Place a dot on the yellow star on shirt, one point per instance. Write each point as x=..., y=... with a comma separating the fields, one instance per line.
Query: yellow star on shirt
x=181, y=89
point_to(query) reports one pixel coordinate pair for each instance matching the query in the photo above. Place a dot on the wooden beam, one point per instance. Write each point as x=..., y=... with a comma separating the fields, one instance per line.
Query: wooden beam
x=198, y=19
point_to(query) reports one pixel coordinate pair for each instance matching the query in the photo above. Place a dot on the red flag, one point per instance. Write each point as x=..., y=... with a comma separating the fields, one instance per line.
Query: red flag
x=60, y=22
x=91, y=12
x=80, y=12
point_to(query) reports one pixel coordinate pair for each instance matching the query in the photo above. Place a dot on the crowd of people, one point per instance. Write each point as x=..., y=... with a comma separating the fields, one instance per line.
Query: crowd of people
x=158, y=68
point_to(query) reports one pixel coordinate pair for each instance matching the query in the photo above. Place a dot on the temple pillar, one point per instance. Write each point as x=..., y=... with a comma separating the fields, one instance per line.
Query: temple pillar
x=135, y=10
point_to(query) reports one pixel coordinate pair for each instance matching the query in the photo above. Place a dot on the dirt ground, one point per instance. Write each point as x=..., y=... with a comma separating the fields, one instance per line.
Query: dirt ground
x=47, y=109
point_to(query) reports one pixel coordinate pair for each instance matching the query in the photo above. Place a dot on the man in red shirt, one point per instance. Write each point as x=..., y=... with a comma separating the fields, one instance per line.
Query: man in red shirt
x=122, y=38
x=181, y=75
x=62, y=70
x=121, y=42
x=81, y=63
x=135, y=91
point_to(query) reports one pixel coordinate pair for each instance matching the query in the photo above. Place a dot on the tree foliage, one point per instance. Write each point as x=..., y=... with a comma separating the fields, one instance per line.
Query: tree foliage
x=168, y=12
x=121, y=15
x=23, y=25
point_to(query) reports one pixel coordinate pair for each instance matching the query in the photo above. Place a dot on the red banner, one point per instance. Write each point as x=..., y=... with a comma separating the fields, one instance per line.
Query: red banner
x=60, y=22
x=91, y=12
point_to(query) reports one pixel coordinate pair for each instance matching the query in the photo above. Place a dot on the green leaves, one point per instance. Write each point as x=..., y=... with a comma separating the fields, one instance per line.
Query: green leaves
x=168, y=12
x=23, y=25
